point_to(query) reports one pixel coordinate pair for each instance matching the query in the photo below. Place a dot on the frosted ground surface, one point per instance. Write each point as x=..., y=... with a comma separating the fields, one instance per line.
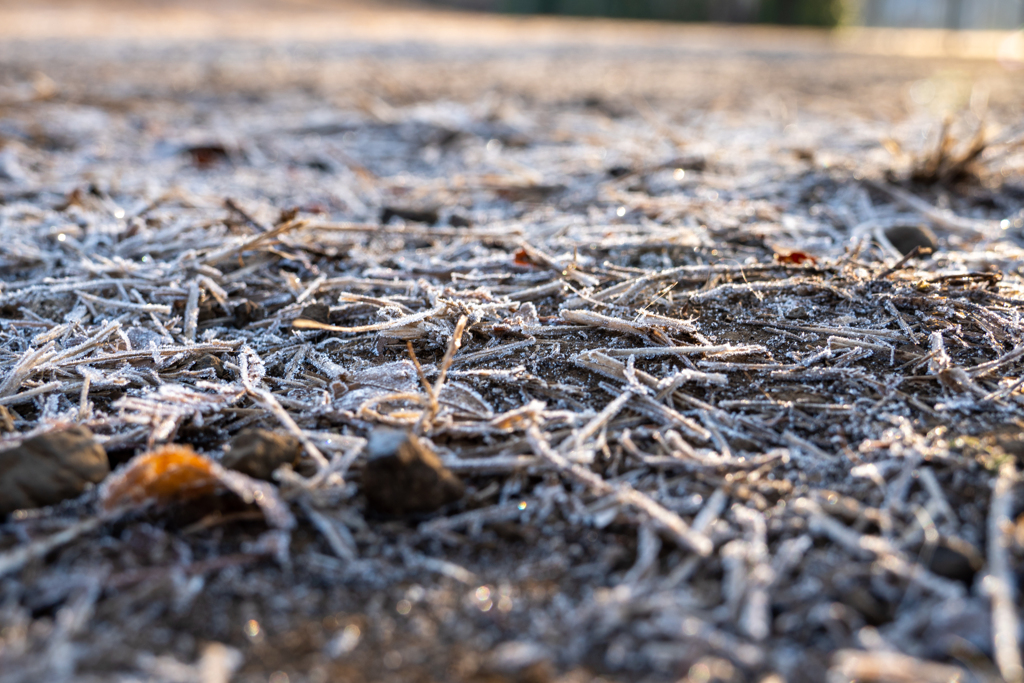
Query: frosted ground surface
x=711, y=428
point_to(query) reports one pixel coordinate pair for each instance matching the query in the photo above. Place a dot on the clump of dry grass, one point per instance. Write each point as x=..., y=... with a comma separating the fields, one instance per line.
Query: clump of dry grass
x=957, y=159
x=950, y=161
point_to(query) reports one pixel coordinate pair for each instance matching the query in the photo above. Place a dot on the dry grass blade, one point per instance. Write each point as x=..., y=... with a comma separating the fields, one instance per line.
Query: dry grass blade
x=454, y=344
x=890, y=667
x=13, y=560
x=404, y=321
x=1000, y=583
x=944, y=164
x=626, y=494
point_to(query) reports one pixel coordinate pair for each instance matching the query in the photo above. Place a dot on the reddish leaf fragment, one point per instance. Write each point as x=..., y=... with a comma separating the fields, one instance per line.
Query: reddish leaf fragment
x=795, y=258
x=522, y=258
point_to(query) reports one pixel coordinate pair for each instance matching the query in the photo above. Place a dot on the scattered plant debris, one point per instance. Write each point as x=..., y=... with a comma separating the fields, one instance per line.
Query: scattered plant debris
x=710, y=416
x=50, y=468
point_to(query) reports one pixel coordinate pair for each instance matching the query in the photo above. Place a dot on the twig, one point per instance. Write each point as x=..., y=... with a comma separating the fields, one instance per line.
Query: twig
x=191, y=311
x=1001, y=579
x=899, y=264
x=305, y=324
x=454, y=344
x=949, y=220
x=626, y=494
x=578, y=438
x=228, y=252
x=713, y=350
x=270, y=402
x=126, y=305
x=890, y=667
x=26, y=396
x=341, y=542
x=13, y=560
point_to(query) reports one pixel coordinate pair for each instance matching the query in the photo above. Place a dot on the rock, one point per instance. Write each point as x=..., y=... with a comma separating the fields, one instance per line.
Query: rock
x=403, y=475
x=457, y=220
x=208, y=156
x=797, y=313
x=906, y=237
x=247, y=312
x=50, y=468
x=258, y=452
x=209, y=361
x=320, y=313
x=619, y=171
x=428, y=216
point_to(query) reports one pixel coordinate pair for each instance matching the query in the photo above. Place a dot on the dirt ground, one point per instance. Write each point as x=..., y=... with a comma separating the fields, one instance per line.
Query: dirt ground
x=712, y=423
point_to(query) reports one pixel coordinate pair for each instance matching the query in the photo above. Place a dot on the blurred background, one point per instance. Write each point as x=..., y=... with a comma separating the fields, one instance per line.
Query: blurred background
x=1002, y=15
x=952, y=14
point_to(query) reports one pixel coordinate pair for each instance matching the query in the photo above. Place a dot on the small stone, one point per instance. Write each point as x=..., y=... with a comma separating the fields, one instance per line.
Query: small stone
x=457, y=220
x=209, y=361
x=209, y=309
x=797, y=313
x=207, y=156
x=258, y=452
x=906, y=237
x=50, y=468
x=320, y=313
x=403, y=475
x=428, y=216
x=247, y=312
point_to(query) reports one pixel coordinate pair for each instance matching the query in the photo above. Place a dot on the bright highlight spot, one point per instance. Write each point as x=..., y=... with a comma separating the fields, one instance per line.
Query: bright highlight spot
x=252, y=628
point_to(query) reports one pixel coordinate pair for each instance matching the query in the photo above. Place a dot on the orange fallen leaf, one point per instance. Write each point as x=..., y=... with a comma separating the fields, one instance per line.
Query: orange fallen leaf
x=175, y=473
x=167, y=474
